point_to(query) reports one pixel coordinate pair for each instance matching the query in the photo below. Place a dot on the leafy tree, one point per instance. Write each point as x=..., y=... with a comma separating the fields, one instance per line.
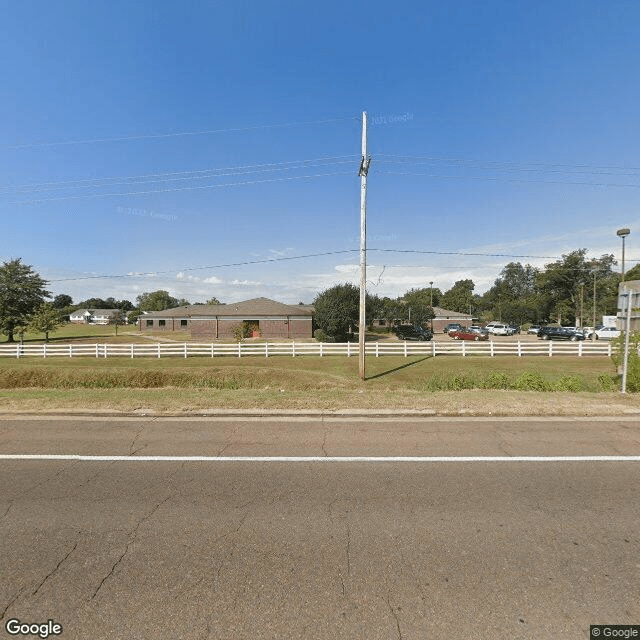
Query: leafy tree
x=63, y=300
x=117, y=319
x=337, y=310
x=633, y=273
x=157, y=301
x=45, y=319
x=215, y=300
x=94, y=303
x=460, y=297
x=417, y=303
x=22, y=291
x=373, y=309
x=566, y=285
x=134, y=315
x=392, y=310
x=124, y=305
x=513, y=297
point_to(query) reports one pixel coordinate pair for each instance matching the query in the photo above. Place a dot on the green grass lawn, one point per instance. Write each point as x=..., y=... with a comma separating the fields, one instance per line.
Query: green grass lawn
x=308, y=382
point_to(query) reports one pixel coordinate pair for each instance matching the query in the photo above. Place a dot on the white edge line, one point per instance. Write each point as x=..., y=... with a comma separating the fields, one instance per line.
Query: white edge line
x=421, y=459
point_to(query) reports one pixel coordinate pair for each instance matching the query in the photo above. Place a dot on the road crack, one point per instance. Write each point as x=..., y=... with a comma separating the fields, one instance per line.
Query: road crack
x=132, y=538
x=75, y=546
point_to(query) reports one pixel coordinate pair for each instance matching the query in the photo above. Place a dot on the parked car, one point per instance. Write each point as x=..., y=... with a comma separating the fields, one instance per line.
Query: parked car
x=515, y=328
x=468, y=334
x=412, y=332
x=607, y=333
x=452, y=326
x=499, y=329
x=478, y=329
x=560, y=333
x=533, y=329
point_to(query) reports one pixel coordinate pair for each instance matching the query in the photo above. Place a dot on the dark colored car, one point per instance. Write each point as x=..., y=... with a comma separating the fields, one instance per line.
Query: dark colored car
x=560, y=333
x=411, y=332
x=468, y=334
x=515, y=327
x=452, y=326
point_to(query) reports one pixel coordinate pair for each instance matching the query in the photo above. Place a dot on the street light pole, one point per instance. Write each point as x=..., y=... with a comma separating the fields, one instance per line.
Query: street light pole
x=431, y=291
x=623, y=233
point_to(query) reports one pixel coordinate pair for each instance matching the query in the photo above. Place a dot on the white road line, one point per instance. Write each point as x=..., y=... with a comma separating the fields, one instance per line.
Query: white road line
x=82, y=458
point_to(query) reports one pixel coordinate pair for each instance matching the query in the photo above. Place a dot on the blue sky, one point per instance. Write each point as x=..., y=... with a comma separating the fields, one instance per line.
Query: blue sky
x=158, y=138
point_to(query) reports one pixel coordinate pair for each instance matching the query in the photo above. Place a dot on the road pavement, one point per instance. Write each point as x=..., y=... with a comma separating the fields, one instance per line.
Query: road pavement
x=267, y=547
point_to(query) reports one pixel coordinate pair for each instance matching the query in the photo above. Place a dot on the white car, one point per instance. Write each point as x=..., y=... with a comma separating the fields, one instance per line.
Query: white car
x=607, y=333
x=499, y=329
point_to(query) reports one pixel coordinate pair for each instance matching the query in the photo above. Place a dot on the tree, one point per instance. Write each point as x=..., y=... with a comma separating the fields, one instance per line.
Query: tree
x=46, y=318
x=417, y=303
x=215, y=300
x=337, y=310
x=22, y=291
x=63, y=300
x=460, y=297
x=157, y=301
x=117, y=319
x=513, y=297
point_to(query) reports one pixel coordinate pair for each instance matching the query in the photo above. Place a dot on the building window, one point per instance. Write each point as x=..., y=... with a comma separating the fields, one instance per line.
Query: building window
x=183, y=323
x=161, y=323
x=149, y=323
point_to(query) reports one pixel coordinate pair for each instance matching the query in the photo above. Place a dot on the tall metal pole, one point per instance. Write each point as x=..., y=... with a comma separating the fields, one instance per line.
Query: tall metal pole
x=623, y=233
x=364, y=169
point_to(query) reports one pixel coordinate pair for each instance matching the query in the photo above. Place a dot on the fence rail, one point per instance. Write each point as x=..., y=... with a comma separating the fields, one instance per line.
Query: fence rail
x=268, y=349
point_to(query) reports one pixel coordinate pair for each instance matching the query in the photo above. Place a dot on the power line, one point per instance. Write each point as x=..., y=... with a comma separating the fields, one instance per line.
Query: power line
x=159, y=136
x=175, y=189
x=300, y=257
x=504, y=179
x=184, y=175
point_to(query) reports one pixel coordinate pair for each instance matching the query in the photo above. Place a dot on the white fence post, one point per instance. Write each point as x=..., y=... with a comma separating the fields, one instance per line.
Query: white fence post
x=405, y=348
x=519, y=349
x=18, y=351
x=185, y=349
x=609, y=349
x=266, y=349
x=293, y=349
x=377, y=349
x=212, y=349
x=239, y=350
x=492, y=352
x=97, y=351
x=433, y=348
x=44, y=350
x=550, y=348
x=321, y=349
x=580, y=348
x=71, y=351
x=132, y=353
x=158, y=349
x=348, y=349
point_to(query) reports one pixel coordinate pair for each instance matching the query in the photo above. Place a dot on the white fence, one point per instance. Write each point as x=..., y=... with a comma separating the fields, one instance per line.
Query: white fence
x=267, y=349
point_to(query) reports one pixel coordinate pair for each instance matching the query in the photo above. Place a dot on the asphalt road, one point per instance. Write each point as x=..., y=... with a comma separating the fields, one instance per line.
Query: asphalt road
x=135, y=548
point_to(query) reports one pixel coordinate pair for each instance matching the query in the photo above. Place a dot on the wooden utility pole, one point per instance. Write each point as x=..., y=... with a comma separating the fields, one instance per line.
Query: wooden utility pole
x=364, y=169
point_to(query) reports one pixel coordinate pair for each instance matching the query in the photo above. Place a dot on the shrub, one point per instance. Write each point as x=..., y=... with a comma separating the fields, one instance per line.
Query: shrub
x=570, y=383
x=496, y=380
x=531, y=381
x=607, y=382
x=633, y=363
x=321, y=336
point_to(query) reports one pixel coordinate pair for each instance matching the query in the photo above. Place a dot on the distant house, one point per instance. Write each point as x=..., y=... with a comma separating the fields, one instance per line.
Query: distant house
x=443, y=317
x=92, y=316
x=267, y=318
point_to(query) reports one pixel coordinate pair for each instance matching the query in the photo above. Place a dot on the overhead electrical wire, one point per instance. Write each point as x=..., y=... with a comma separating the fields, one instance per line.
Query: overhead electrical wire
x=300, y=257
x=159, y=136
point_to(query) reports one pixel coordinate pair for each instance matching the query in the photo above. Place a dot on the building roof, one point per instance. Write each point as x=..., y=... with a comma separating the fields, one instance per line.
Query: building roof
x=244, y=309
x=445, y=313
x=93, y=312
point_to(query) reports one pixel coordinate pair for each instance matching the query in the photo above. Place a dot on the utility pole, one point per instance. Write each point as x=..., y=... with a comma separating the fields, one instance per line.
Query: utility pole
x=364, y=169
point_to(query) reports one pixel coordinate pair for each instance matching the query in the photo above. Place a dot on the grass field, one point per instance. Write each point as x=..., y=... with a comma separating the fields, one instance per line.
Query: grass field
x=448, y=385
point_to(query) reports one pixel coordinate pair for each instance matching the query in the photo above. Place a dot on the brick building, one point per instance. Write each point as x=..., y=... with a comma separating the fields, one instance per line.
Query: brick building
x=268, y=318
